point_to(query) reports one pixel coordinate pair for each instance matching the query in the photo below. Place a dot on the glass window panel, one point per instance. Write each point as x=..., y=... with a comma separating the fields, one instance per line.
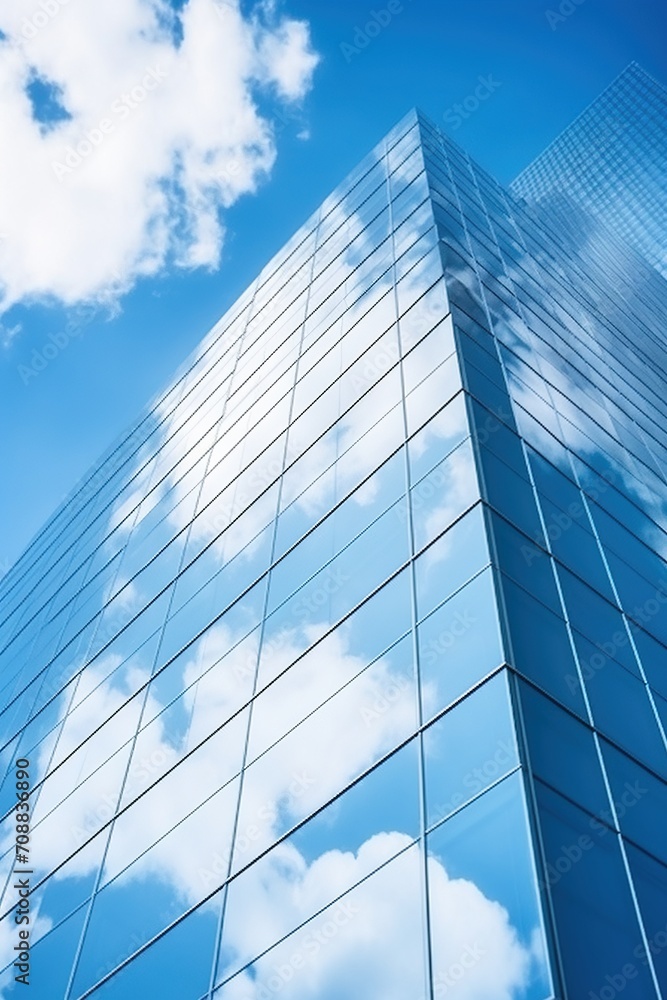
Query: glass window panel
x=650, y=880
x=435, y=348
x=525, y=562
x=418, y=241
x=622, y=710
x=426, y=312
x=643, y=601
x=365, y=332
x=337, y=530
x=126, y=914
x=459, y=643
x=443, y=495
x=353, y=574
x=576, y=547
x=548, y=727
x=41, y=723
x=69, y=886
x=150, y=838
x=541, y=648
x=64, y=816
x=451, y=561
x=367, y=632
x=110, y=639
x=362, y=942
x=640, y=800
x=438, y=438
x=510, y=494
x=239, y=572
x=416, y=282
x=384, y=801
x=428, y=397
x=367, y=823
x=162, y=968
x=375, y=709
x=596, y=618
x=588, y=884
x=654, y=659
x=342, y=475
x=419, y=221
x=485, y=917
x=468, y=749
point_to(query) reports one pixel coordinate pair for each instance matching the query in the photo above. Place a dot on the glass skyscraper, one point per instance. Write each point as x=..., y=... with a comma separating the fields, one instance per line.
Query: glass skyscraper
x=344, y=674
x=611, y=161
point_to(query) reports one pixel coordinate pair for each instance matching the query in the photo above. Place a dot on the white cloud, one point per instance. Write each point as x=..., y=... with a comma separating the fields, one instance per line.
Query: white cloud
x=171, y=135
x=79, y=796
x=281, y=891
x=371, y=940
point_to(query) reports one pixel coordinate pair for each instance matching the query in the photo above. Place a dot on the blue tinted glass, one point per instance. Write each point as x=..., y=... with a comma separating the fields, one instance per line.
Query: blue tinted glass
x=371, y=938
x=427, y=444
x=585, y=874
x=650, y=880
x=451, y=561
x=460, y=765
x=459, y=643
x=640, y=801
x=556, y=742
x=541, y=649
x=485, y=917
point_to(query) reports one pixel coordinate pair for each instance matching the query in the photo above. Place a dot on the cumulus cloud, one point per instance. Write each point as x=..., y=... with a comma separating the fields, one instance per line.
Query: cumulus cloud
x=374, y=934
x=89, y=763
x=337, y=461
x=371, y=939
x=155, y=125
x=294, y=767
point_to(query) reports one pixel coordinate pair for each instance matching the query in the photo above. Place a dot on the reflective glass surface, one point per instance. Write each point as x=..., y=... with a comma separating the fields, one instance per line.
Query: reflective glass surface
x=334, y=669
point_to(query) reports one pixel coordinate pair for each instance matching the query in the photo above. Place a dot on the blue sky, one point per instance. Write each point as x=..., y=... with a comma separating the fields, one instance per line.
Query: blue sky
x=545, y=61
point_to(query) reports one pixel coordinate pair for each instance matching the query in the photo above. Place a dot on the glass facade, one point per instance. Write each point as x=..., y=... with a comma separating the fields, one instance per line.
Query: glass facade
x=611, y=162
x=344, y=673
